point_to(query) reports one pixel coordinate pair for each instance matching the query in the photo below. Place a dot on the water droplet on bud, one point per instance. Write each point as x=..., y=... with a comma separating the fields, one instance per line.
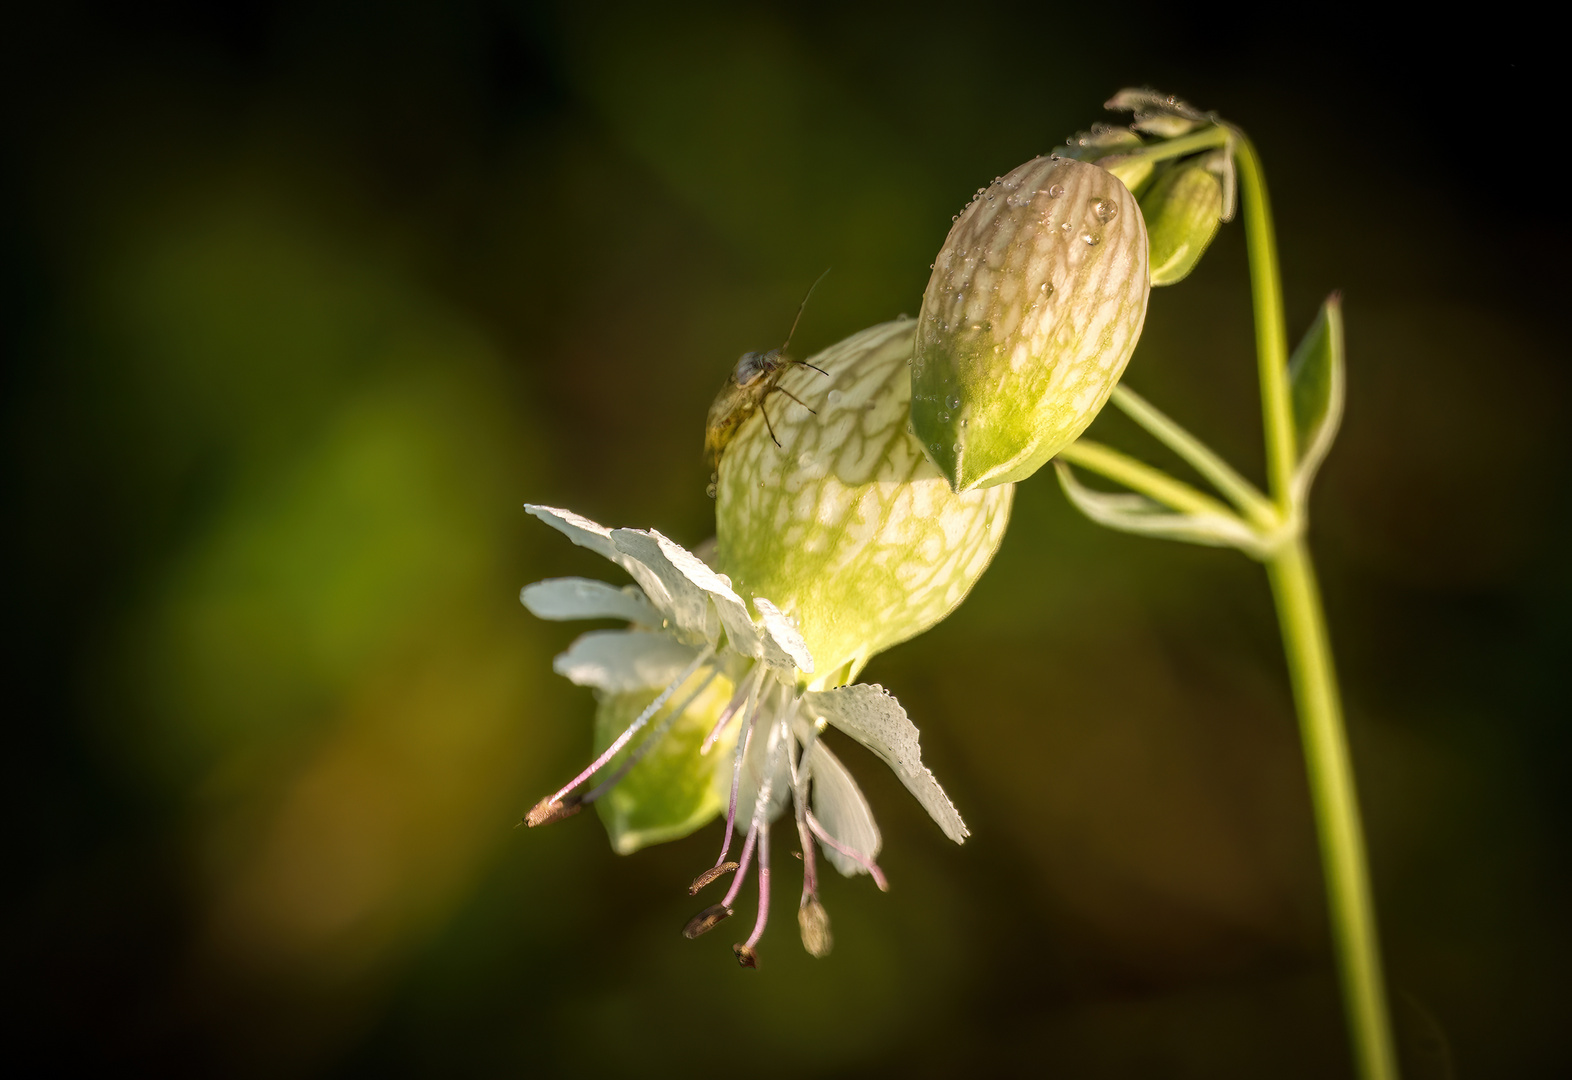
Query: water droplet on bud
x=1105, y=210
x=1056, y=191
x=1092, y=239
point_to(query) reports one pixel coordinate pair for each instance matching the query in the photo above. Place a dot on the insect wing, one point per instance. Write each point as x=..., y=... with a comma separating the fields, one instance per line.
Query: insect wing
x=727, y=412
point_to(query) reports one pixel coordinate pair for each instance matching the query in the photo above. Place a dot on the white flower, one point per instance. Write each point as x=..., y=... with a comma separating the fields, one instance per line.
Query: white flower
x=690, y=628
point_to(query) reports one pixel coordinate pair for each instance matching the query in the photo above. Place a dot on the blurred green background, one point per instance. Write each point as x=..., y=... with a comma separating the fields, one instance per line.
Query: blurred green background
x=302, y=301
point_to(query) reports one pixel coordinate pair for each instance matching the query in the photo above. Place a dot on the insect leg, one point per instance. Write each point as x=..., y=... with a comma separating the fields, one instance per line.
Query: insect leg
x=794, y=397
x=815, y=367
x=767, y=423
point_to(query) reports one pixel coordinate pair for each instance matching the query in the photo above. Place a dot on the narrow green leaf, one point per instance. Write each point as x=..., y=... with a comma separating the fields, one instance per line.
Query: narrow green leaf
x=1129, y=512
x=1315, y=374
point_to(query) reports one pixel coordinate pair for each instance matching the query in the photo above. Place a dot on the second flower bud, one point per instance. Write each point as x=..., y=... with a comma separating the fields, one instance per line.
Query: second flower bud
x=1034, y=307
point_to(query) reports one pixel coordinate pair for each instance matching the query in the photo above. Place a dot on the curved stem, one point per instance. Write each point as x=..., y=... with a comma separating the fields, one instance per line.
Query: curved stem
x=1309, y=655
x=1223, y=476
x=1271, y=331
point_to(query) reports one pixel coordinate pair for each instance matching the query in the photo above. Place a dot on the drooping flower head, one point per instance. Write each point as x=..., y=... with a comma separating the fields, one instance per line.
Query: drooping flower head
x=845, y=540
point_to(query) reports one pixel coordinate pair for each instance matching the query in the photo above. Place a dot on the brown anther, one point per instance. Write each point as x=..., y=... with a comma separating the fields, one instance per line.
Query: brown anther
x=814, y=922
x=796, y=855
x=746, y=956
x=710, y=875
x=547, y=811
x=706, y=920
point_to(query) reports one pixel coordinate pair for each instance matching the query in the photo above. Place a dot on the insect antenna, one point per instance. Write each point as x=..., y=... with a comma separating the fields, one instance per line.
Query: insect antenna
x=800, y=307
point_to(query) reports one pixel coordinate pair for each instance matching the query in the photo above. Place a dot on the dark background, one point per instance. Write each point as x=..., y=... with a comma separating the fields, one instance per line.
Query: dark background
x=300, y=302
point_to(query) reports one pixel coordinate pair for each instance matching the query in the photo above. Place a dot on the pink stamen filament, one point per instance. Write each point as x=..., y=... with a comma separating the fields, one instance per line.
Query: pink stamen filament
x=655, y=736
x=799, y=798
x=759, y=826
x=764, y=888
x=736, y=767
x=744, y=690
x=633, y=728
x=810, y=870
x=851, y=853
x=742, y=866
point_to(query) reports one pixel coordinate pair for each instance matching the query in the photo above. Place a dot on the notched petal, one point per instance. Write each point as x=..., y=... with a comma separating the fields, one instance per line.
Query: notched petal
x=584, y=598
x=621, y=661
x=841, y=808
x=597, y=538
x=784, y=644
x=875, y=719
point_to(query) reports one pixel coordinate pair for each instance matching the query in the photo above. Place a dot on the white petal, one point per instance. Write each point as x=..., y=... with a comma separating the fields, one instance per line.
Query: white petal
x=583, y=598
x=783, y=644
x=876, y=720
x=740, y=631
x=587, y=534
x=690, y=607
x=766, y=753
x=620, y=661
x=839, y=805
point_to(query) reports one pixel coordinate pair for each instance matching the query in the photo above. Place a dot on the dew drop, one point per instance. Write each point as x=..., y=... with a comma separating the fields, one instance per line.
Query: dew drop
x=944, y=418
x=1056, y=191
x=1065, y=228
x=957, y=449
x=954, y=403
x=1105, y=209
x=963, y=422
x=1092, y=239
x=710, y=491
x=934, y=447
x=834, y=396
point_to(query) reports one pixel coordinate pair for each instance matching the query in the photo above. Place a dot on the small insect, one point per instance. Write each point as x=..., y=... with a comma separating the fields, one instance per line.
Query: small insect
x=756, y=376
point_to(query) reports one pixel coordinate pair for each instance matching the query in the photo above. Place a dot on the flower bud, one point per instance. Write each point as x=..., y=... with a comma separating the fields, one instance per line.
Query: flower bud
x=845, y=525
x=1182, y=211
x=1034, y=307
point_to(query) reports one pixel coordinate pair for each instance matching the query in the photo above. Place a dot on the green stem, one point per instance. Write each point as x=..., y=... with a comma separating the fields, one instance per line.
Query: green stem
x=1223, y=476
x=1338, y=828
x=1208, y=138
x=1271, y=330
x=1309, y=655
x=1139, y=476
